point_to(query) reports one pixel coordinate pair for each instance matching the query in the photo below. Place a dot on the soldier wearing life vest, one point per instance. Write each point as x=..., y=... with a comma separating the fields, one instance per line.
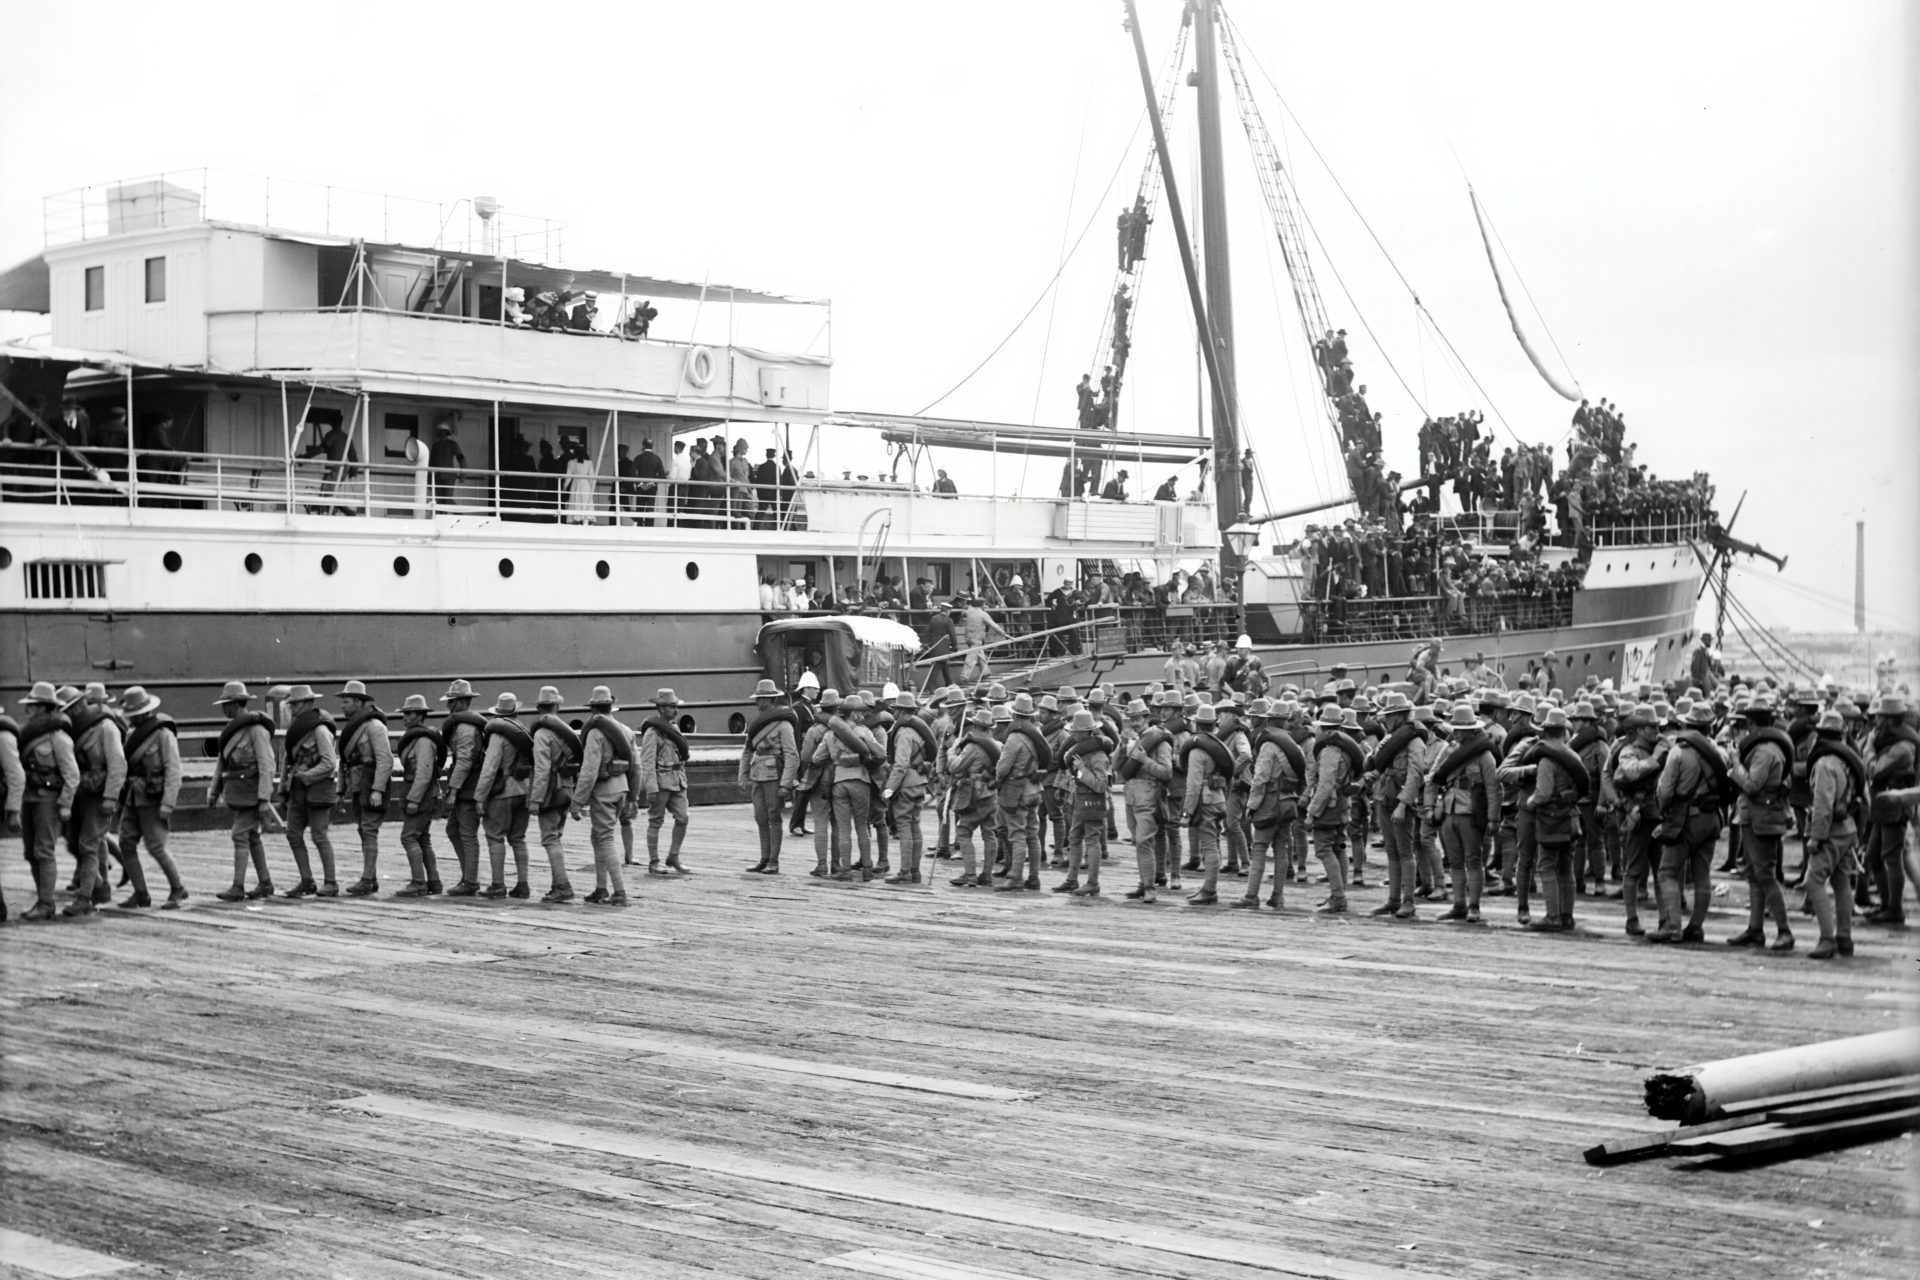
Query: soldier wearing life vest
x=1086, y=758
x=769, y=769
x=1398, y=768
x=1633, y=772
x=1838, y=780
x=506, y=763
x=242, y=778
x=1761, y=768
x=912, y=750
x=1589, y=741
x=972, y=759
x=1055, y=714
x=1179, y=729
x=50, y=780
x=152, y=790
x=603, y=794
x=556, y=758
x=1232, y=732
x=947, y=727
x=421, y=754
x=1207, y=766
x=1893, y=764
x=1466, y=800
x=877, y=716
x=463, y=730
x=309, y=787
x=1024, y=761
x=1429, y=868
x=806, y=698
x=13, y=784
x=366, y=767
x=662, y=769
x=1559, y=782
x=848, y=750
x=816, y=783
x=1333, y=767
x=1273, y=799
x=99, y=751
x=1143, y=765
x=1688, y=801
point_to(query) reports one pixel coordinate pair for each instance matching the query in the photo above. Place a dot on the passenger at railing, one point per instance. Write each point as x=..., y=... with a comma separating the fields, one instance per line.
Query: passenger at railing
x=639, y=321
x=337, y=447
x=1169, y=491
x=943, y=485
x=514, y=305
x=680, y=491
x=976, y=629
x=160, y=459
x=552, y=469
x=1116, y=490
x=743, y=505
x=519, y=488
x=447, y=461
x=1065, y=606
x=1084, y=395
x=580, y=485
x=707, y=482
x=766, y=492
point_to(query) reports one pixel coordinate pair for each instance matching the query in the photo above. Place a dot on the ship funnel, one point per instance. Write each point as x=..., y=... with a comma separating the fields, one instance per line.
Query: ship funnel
x=487, y=207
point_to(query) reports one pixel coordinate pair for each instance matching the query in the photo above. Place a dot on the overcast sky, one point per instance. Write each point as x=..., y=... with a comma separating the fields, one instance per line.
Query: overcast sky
x=1711, y=204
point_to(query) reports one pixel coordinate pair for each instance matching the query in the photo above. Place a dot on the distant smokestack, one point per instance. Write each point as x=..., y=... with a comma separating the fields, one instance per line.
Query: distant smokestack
x=1860, y=576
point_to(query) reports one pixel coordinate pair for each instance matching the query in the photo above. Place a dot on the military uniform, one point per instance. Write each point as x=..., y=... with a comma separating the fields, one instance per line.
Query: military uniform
x=816, y=780
x=1273, y=806
x=242, y=776
x=1017, y=777
x=13, y=783
x=153, y=788
x=1396, y=802
x=847, y=748
x=1086, y=762
x=1204, y=802
x=1833, y=861
x=1554, y=803
x=463, y=730
x=505, y=766
x=769, y=768
x=51, y=780
x=910, y=764
x=603, y=792
x=99, y=751
x=970, y=769
x=1761, y=769
x=662, y=770
x=1147, y=766
x=366, y=767
x=1332, y=773
x=550, y=790
x=1467, y=803
x=1892, y=765
x=1690, y=829
x=421, y=752
x=310, y=784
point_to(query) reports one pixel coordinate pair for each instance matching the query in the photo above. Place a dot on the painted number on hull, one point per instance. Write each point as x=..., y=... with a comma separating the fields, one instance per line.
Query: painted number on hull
x=1637, y=668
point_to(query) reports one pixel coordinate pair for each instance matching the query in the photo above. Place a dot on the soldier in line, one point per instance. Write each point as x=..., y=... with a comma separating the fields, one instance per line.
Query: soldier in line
x=1833, y=860
x=505, y=766
x=1399, y=767
x=1178, y=730
x=1690, y=826
x=1597, y=834
x=1086, y=763
x=662, y=769
x=1239, y=744
x=310, y=786
x=463, y=730
x=1633, y=773
x=98, y=748
x=52, y=779
x=421, y=753
x=13, y=784
x=806, y=696
x=1893, y=764
x=366, y=767
x=603, y=794
x=848, y=748
x=152, y=790
x=1331, y=772
x=769, y=768
x=1018, y=776
x=1760, y=767
x=816, y=783
x=1466, y=797
x=971, y=763
x=1272, y=803
x=1144, y=769
x=911, y=752
x=1207, y=767
x=245, y=750
x=1558, y=786
x=550, y=790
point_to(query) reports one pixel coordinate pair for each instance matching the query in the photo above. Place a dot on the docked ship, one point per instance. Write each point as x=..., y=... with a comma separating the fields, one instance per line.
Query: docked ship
x=220, y=464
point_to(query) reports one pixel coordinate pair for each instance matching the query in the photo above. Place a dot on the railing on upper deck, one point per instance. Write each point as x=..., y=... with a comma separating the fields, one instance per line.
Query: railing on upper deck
x=1649, y=530
x=1422, y=617
x=150, y=478
x=183, y=197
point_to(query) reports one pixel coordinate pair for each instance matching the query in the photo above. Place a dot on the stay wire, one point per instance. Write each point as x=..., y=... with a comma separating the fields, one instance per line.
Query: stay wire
x=1098, y=203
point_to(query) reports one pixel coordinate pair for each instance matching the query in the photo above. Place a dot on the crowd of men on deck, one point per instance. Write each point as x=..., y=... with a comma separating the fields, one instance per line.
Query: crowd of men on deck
x=1471, y=790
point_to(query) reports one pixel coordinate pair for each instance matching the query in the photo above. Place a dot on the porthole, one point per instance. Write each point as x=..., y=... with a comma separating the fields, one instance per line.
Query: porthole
x=172, y=561
x=328, y=564
x=1609, y=568
x=401, y=567
x=601, y=569
x=693, y=571
x=506, y=567
x=1586, y=659
x=6, y=558
x=686, y=724
x=736, y=723
x=1613, y=655
x=253, y=562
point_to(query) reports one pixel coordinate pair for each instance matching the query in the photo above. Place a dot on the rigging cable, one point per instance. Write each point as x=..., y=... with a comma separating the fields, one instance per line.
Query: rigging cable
x=1500, y=417
x=1035, y=306
x=1787, y=655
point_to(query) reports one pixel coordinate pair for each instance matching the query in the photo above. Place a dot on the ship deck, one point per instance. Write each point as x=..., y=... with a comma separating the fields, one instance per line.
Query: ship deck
x=744, y=1076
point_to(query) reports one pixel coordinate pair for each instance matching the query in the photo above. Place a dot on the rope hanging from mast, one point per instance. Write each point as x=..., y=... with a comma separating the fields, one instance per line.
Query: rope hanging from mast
x=1513, y=317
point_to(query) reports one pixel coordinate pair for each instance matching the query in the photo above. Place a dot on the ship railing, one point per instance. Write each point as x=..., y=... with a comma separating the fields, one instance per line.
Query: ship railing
x=1413, y=618
x=151, y=478
x=1036, y=633
x=185, y=197
x=1649, y=530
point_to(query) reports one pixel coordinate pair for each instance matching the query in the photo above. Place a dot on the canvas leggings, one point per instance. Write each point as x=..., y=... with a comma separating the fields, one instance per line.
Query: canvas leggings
x=303, y=820
x=1463, y=838
x=463, y=834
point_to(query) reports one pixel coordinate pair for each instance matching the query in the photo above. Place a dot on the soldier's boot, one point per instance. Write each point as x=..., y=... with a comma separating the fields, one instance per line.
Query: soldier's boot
x=416, y=868
x=673, y=851
x=432, y=867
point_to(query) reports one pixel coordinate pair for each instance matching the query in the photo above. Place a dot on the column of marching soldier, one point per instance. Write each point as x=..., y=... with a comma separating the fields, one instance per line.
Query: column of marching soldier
x=1477, y=792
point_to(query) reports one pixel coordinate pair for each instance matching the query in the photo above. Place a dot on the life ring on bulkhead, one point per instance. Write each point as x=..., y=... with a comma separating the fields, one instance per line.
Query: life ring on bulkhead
x=700, y=367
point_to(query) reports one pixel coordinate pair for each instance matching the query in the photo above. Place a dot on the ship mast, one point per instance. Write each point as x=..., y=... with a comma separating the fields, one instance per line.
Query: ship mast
x=1216, y=263
x=1213, y=346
